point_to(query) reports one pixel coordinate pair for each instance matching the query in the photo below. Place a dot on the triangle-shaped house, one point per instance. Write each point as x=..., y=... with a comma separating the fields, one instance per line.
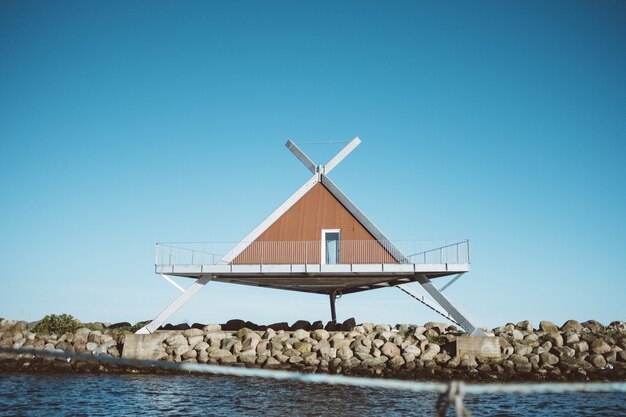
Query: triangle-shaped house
x=318, y=241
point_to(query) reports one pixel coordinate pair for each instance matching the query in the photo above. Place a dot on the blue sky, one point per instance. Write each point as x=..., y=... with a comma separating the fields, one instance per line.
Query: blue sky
x=125, y=124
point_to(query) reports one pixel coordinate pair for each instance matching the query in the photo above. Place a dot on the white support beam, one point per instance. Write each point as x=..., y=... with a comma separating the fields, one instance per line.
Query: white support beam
x=441, y=299
x=171, y=281
x=172, y=308
x=452, y=281
x=308, y=163
x=341, y=155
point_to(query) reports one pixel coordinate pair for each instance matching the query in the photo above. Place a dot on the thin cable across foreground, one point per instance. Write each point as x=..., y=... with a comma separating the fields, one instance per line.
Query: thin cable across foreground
x=451, y=393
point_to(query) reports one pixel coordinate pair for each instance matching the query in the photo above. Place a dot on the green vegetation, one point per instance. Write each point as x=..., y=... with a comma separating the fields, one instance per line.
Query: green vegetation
x=59, y=324
x=134, y=327
x=438, y=340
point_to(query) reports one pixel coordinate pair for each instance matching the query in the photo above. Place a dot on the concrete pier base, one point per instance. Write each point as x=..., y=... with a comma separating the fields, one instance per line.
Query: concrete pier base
x=144, y=346
x=478, y=346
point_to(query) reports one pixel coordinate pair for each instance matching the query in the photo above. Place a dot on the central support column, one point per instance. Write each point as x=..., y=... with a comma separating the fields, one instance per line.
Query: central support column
x=333, y=314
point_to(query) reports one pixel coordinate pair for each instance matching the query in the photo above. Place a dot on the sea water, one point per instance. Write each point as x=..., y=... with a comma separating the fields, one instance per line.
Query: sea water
x=37, y=394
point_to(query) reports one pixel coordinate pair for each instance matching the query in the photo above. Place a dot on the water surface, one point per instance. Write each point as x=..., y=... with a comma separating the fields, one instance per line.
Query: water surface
x=36, y=394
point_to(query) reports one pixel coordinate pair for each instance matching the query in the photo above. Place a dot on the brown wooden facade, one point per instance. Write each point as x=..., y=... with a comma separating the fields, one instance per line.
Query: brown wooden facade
x=296, y=236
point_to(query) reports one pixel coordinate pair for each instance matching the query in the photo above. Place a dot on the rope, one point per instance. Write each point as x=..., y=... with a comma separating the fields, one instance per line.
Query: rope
x=323, y=143
x=450, y=393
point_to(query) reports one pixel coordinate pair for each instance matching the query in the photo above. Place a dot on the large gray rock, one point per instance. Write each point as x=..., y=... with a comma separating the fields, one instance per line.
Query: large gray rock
x=390, y=350
x=250, y=341
x=412, y=349
x=555, y=338
x=593, y=325
x=344, y=353
x=561, y=351
x=597, y=361
x=548, y=327
x=302, y=347
x=190, y=354
x=395, y=362
x=431, y=350
x=248, y=359
x=182, y=349
x=82, y=334
x=549, y=359
x=209, y=328
x=571, y=326
x=219, y=353
x=320, y=334
x=524, y=325
x=581, y=346
x=194, y=340
x=301, y=334
x=215, y=335
x=600, y=347
x=176, y=340
x=193, y=332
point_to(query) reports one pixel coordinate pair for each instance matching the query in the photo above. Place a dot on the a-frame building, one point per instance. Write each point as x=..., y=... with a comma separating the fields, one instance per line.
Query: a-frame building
x=318, y=241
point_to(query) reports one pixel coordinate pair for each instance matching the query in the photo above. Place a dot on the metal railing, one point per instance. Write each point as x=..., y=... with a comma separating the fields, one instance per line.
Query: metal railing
x=314, y=252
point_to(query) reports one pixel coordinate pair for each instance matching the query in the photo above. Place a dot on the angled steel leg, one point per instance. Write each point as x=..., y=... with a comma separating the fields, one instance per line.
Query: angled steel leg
x=172, y=308
x=468, y=326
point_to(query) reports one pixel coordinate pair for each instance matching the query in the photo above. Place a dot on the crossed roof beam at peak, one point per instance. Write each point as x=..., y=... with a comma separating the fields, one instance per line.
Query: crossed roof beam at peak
x=330, y=165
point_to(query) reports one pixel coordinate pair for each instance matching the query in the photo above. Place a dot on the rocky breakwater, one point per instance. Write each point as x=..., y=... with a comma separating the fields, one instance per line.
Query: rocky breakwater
x=573, y=351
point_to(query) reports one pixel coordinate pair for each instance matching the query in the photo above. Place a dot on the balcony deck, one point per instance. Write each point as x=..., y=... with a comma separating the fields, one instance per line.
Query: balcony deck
x=266, y=264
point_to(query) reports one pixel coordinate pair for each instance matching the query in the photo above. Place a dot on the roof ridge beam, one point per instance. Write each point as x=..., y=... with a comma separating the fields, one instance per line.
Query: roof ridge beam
x=330, y=165
x=306, y=161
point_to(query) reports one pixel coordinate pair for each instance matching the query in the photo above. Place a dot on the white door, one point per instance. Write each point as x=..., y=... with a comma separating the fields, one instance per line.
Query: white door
x=330, y=246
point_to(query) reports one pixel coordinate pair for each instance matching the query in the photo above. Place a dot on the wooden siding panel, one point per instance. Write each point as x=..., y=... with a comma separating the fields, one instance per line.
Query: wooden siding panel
x=295, y=237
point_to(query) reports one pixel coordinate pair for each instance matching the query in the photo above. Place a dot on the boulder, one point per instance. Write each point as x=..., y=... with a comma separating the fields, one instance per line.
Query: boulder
x=430, y=351
x=120, y=324
x=548, y=358
x=524, y=325
x=548, y=327
x=176, y=340
x=554, y=337
x=283, y=325
x=209, y=328
x=344, y=353
x=412, y=349
x=571, y=326
x=233, y=325
x=301, y=334
x=390, y=350
x=302, y=347
x=348, y=325
x=250, y=341
x=597, y=361
x=594, y=326
x=248, y=359
x=395, y=362
x=301, y=325
x=320, y=334
x=600, y=347
x=193, y=332
x=219, y=353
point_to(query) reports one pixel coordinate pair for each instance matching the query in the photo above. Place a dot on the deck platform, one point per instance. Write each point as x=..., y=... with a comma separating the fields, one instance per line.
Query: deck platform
x=316, y=278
